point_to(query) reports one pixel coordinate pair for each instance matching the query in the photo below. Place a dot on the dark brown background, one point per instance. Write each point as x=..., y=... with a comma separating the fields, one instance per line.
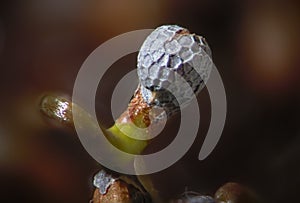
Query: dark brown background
x=255, y=46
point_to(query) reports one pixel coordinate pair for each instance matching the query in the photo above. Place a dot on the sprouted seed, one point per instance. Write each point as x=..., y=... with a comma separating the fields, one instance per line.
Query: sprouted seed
x=169, y=54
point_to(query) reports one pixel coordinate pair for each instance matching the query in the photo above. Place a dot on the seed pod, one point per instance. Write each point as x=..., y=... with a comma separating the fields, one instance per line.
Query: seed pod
x=118, y=190
x=235, y=193
x=173, y=63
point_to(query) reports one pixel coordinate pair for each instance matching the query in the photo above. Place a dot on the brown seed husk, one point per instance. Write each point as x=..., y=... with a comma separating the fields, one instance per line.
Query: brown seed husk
x=121, y=192
x=117, y=192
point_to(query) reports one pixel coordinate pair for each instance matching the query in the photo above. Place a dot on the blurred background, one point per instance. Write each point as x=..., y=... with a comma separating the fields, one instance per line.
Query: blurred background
x=255, y=47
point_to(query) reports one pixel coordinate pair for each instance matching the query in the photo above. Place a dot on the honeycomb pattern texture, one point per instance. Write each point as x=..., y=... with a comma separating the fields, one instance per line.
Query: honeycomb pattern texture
x=173, y=66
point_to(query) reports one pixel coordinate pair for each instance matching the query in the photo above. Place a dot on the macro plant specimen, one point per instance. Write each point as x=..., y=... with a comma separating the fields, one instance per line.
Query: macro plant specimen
x=173, y=66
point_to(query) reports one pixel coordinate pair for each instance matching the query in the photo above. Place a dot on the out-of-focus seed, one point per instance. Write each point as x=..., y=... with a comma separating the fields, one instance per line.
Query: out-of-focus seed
x=57, y=108
x=236, y=193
